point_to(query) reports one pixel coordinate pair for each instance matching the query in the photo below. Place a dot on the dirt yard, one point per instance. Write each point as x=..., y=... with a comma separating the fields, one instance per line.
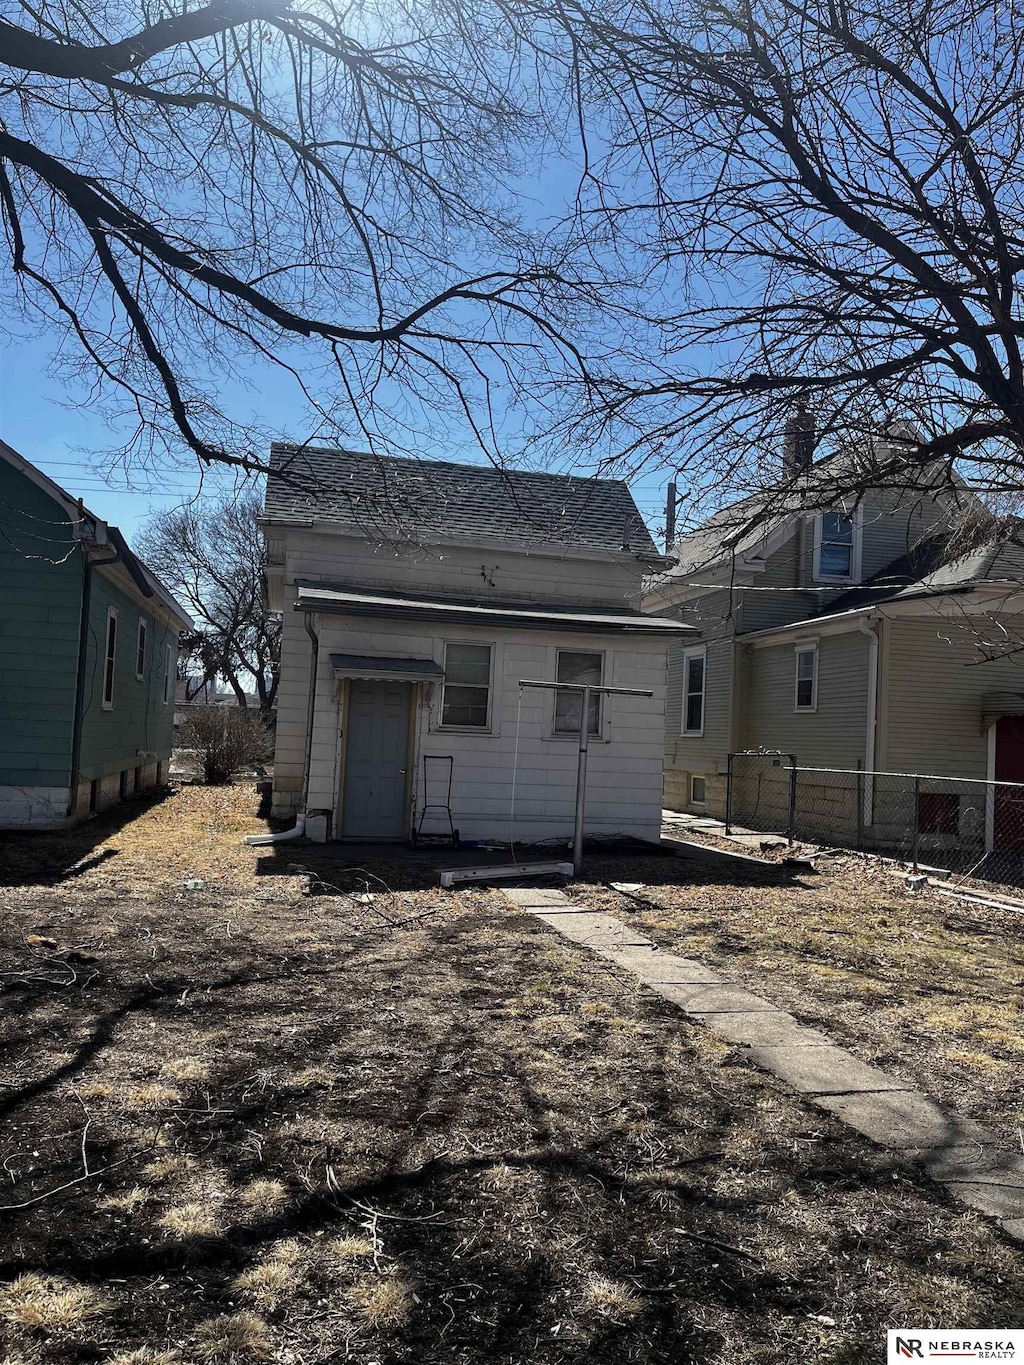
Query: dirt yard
x=926, y=987
x=245, y=1123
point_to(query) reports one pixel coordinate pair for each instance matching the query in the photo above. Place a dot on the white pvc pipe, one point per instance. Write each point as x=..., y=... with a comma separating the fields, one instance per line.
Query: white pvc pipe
x=258, y=840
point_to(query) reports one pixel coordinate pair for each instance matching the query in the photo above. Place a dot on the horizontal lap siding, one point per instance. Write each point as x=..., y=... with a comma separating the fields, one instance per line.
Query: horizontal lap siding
x=932, y=702
x=40, y=595
x=832, y=736
x=625, y=771
x=455, y=570
x=139, y=718
x=712, y=617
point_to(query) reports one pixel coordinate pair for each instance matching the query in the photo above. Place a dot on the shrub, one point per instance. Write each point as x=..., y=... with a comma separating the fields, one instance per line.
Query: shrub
x=225, y=739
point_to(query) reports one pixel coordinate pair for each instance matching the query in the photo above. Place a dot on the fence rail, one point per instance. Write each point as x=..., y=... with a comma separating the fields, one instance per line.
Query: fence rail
x=969, y=825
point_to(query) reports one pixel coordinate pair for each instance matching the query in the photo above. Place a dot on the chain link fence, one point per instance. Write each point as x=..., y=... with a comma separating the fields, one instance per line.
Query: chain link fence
x=968, y=825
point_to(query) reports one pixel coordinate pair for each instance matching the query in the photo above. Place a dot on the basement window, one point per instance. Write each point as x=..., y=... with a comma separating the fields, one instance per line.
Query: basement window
x=938, y=813
x=698, y=791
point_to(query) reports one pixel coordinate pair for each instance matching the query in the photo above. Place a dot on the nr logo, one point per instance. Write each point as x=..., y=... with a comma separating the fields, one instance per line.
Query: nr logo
x=909, y=1348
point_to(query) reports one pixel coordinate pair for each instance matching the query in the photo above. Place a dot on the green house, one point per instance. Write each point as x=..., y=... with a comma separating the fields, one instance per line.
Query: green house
x=88, y=658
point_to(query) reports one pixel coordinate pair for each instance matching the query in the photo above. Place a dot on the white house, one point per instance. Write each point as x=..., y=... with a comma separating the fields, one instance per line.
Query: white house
x=416, y=596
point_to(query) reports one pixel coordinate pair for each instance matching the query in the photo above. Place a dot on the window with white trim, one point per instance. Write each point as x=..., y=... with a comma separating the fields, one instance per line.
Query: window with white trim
x=806, y=685
x=694, y=678
x=698, y=790
x=140, y=649
x=466, y=693
x=109, y=659
x=837, y=537
x=168, y=675
x=577, y=666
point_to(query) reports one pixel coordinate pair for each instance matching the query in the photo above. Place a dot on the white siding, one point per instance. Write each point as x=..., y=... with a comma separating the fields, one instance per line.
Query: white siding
x=459, y=571
x=625, y=764
x=625, y=767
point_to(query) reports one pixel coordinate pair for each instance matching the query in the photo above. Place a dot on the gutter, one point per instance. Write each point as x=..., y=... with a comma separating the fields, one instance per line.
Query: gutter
x=868, y=627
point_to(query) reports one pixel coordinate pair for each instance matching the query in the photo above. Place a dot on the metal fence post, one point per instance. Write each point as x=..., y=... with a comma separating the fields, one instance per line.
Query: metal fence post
x=728, y=794
x=917, y=818
x=791, y=830
x=860, y=803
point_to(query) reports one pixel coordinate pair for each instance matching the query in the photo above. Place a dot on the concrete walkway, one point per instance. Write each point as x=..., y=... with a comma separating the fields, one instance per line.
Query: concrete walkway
x=958, y=1153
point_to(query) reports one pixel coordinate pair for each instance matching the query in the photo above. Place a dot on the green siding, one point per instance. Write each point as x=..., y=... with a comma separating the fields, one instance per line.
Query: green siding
x=138, y=719
x=40, y=597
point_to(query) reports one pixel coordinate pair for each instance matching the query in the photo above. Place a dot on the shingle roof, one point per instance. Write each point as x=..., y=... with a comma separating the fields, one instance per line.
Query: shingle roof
x=435, y=499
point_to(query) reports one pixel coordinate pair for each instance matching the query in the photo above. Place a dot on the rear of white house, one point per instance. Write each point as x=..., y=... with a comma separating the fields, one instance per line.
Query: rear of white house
x=416, y=597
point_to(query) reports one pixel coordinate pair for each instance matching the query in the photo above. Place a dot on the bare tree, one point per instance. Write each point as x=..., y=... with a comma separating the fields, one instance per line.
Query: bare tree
x=824, y=207
x=192, y=193
x=212, y=556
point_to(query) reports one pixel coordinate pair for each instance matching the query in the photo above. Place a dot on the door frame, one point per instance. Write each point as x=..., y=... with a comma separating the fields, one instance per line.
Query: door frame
x=990, y=790
x=408, y=813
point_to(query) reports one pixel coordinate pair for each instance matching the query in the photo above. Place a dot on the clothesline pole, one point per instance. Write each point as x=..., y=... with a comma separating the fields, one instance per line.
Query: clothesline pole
x=588, y=690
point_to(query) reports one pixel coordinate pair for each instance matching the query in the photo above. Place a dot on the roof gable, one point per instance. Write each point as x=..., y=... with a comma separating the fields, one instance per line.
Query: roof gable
x=437, y=500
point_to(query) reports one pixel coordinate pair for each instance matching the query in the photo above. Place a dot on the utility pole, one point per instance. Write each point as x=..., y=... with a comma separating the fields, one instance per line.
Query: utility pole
x=672, y=501
x=587, y=690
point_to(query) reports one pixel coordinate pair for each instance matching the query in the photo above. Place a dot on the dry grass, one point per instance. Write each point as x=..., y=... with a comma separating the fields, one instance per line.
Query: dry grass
x=350, y=1248
x=232, y=1337
x=609, y=1297
x=189, y=1221
x=264, y=1196
x=128, y=1201
x=385, y=1303
x=926, y=988
x=145, y=1355
x=269, y=1285
x=500, y=1116
x=49, y=1302
x=186, y=1069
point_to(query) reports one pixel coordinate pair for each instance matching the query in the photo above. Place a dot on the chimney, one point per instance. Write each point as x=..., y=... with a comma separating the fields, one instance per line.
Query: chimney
x=801, y=438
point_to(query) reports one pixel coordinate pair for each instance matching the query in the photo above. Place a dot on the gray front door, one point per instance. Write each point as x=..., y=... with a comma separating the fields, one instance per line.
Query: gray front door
x=376, y=759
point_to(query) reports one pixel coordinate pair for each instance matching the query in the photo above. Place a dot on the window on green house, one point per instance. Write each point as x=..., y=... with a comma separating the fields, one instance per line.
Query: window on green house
x=168, y=688
x=140, y=651
x=109, y=659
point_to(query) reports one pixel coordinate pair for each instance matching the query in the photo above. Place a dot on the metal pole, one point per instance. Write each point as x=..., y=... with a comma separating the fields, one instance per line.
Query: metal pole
x=581, y=785
x=917, y=819
x=791, y=830
x=860, y=803
x=728, y=794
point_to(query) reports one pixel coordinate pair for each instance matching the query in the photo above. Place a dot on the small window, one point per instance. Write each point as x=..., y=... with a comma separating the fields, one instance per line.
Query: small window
x=938, y=813
x=110, y=659
x=807, y=679
x=835, y=550
x=140, y=651
x=168, y=675
x=466, y=693
x=698, y=791
x=577, y=667
x=693, y=691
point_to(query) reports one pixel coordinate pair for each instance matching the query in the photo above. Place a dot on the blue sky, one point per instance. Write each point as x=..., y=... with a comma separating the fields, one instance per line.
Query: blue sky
x=41, y=420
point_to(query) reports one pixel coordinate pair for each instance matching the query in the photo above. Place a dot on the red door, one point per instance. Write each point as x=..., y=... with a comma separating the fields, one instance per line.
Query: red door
x=1008, y=830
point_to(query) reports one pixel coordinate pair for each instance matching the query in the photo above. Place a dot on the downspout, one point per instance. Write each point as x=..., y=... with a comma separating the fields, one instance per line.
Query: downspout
x=299, y=828
x=867, y=627
x=88, y=566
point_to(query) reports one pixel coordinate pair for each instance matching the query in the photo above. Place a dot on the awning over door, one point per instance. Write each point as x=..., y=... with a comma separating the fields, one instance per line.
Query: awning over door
x=996, y=704
x=386, y=668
